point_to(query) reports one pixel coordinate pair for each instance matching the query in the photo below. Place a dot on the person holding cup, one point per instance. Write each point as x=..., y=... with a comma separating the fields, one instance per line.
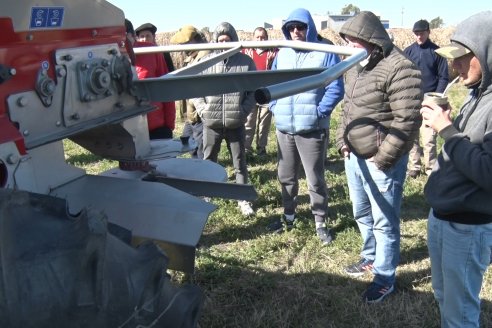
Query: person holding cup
x=459, y=189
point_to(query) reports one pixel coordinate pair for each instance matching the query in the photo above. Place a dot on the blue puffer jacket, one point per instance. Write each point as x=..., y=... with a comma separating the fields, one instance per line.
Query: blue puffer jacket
x=310, y=110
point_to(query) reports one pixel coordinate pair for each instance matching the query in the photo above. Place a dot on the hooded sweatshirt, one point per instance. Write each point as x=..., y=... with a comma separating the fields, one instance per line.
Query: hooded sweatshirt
x=381, y=112
x=310, y=110
x=227, y=110
x=460, y=187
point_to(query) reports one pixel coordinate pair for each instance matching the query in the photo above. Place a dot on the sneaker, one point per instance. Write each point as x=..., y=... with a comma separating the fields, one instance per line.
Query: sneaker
x=376, y=293
x=359, y=268
x=324, y=235
x=245, y=208
x=280, y=225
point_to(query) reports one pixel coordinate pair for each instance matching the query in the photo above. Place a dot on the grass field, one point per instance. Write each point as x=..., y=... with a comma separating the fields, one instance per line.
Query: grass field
x=251, y=278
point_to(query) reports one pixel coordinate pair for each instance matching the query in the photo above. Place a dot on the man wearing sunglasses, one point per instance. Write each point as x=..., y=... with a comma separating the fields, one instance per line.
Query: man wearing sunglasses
x=302, y=121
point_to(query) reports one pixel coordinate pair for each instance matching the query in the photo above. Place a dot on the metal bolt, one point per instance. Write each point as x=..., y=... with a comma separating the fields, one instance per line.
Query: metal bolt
x=75, y=116
x=87, y=97
x=22, y=101
x=29, y=37
x=26, y=132
x=68, y=57
x=61, y=72
x=49, y=87
x=105, y=63
x=12, y=71
x=58, y=123
x=113, y=51
x=12, y=159
x=94, y=33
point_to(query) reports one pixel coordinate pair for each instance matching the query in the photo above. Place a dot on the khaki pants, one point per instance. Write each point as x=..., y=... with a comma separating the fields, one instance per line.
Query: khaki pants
x=258, y=123
x=428, y=150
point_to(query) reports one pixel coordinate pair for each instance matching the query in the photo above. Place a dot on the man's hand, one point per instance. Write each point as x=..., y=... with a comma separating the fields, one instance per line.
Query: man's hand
x=435, y=116
x=345, y=151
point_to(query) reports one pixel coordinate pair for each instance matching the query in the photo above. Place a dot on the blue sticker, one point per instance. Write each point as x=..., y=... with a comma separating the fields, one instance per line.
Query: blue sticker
x=46, y=17
x=90, y=54
x=45, y=65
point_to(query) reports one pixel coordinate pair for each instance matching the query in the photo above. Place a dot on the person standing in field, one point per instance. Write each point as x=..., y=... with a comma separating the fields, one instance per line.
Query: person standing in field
x=193, y=123
x=146, y=33
x=435, y=77
x=259, y=121
x=161, y=121
x=459, y=188
x=224, y=115
x=379, y=123
x=301, y=122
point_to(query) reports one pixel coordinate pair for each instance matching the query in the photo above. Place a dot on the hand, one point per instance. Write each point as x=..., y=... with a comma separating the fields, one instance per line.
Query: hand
x=345, y=151
x=435, y=116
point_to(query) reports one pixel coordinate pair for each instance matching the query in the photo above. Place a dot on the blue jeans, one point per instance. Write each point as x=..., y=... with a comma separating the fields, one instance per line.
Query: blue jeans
x=460, y=254
x=376, y=199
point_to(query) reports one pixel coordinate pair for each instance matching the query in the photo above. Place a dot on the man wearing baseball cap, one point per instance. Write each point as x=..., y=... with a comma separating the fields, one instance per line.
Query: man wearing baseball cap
x=435, y=76
x=459, y=188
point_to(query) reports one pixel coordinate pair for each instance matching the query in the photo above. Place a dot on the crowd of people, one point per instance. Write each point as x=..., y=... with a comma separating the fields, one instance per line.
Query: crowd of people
x=383, y=118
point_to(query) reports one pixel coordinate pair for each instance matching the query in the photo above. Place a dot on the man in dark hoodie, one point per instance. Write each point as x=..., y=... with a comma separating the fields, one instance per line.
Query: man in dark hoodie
x=223, y=116
x=380, y=121
x=459, y=188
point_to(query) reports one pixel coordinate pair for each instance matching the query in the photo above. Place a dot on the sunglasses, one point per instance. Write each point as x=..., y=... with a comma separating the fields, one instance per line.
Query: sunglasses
x=299, y=27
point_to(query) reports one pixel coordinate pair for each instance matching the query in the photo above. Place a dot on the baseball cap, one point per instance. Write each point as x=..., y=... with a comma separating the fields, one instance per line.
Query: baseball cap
x=453, y=50
x=184, y=35
x=421, y=25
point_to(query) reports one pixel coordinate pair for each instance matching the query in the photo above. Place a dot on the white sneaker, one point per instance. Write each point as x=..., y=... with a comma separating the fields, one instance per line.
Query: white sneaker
x=245, y=208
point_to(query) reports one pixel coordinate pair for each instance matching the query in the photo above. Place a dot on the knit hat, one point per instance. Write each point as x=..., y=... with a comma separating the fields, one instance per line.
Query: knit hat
x=146, y=26
x=453, y=50
x=421, y=25
x=184, y=35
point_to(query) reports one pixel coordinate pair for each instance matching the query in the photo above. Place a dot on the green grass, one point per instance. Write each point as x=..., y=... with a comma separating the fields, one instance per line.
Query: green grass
x=251, y=278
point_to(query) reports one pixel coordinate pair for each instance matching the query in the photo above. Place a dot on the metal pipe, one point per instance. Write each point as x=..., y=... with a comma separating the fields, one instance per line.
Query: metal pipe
x=299, y=45
x=284, y=89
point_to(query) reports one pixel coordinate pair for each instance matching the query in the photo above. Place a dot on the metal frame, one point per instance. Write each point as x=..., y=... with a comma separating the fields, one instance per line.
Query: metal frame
x=268, y=85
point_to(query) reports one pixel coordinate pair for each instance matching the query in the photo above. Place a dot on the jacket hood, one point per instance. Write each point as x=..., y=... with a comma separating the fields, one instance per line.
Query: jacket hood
x=475, y=33
x=303, y=16
x=225, y=28
x=367, y=26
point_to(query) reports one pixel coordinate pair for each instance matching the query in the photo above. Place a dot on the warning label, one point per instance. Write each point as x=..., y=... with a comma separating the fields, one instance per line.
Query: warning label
x=46, y=17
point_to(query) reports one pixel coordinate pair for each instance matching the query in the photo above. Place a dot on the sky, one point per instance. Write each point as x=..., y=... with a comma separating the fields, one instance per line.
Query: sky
x=245, y=15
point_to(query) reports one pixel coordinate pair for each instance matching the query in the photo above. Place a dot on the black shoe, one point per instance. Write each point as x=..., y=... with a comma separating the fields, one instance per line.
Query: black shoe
x=280, y=225
x=376, y=293
x=413, y=174
x=324, y=235
x=261, y=152
x=359, y=268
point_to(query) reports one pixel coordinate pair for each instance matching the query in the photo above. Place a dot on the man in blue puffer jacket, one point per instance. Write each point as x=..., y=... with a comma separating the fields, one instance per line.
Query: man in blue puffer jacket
x=302, y=122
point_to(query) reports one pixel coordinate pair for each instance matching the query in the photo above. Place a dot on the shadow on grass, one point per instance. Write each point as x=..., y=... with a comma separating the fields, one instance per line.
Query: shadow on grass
x=83, y=159
x=244, y=295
